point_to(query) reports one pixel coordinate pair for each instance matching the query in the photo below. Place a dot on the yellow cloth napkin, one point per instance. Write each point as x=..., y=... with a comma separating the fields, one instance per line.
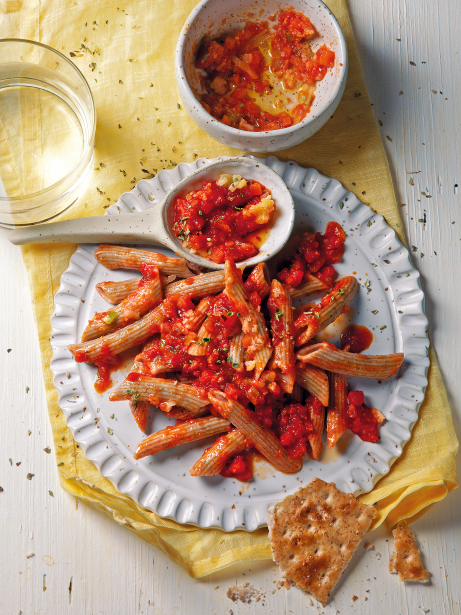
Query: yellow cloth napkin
x=140, y=126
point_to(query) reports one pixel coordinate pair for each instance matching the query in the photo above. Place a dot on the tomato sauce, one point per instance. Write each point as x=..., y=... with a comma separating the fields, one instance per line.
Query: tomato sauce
x=103, y=380
x=361, y=419
x=239, y=467
x=357, y=337
x=261, y=79
x=220, y=221
x=316, y=254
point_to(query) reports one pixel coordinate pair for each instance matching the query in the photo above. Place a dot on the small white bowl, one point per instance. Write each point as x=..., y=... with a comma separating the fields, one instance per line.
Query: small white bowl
x=213, y=18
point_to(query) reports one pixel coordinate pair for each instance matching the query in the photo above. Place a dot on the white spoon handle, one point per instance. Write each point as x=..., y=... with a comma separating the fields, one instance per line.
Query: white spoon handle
x=135, y=228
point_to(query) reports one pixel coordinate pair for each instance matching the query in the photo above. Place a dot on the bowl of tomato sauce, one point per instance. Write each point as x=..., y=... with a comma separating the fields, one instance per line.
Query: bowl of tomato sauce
x=261, y=76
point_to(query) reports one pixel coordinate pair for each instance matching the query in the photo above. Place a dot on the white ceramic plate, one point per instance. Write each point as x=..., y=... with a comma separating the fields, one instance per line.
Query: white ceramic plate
x=108, y=434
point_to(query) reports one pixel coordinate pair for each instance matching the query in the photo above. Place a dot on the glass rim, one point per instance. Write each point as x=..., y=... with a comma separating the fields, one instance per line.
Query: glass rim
x=87, y=147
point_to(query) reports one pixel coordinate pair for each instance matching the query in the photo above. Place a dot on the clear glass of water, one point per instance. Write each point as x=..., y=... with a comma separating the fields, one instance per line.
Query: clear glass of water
x=47, y=126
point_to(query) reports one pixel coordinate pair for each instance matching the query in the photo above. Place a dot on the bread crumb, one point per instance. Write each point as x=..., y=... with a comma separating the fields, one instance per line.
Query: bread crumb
x=245, y=593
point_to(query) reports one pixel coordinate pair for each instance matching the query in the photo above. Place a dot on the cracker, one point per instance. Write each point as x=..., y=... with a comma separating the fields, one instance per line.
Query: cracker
x=406, y=558
x=314, y=534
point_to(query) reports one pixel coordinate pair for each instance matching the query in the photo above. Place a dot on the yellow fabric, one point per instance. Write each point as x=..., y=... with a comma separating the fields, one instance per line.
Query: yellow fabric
x=141, y=97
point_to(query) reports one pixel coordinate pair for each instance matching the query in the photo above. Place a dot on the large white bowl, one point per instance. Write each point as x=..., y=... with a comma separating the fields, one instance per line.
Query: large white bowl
x=212, y=18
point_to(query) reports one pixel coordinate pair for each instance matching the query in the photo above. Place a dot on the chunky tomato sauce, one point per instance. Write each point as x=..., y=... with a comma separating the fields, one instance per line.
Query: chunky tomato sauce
x=263, y=78
x=316, y=254
x=216, y=221
x=239, y=467
x=361, y=418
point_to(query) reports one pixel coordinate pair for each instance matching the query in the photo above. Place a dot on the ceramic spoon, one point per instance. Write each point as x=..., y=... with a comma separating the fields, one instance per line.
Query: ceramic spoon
x=153, y=226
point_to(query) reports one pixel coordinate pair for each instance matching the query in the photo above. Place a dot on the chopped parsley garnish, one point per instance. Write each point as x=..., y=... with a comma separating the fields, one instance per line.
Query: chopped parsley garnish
x=110, y=317
x=278, y=314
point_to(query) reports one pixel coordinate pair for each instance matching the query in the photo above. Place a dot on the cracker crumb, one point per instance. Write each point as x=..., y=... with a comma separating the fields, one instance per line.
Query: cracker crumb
x=368, y=546
x=245, y=593
x=406, y=558
x=355, y=598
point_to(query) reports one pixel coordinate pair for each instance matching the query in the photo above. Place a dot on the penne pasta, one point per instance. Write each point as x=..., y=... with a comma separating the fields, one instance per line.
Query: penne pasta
x=328, y=310
x=160, y=391
x=297, y=394
x=337, y=410
x=317, y=418
x=283, y=357
x=266, y=443
x=310, y=286
x=314, y=380
x=140, y=411
x=115, y=292
x=200, y=285
x=259, y=281
x=180, y=414
x=183, y=433
x=120, y=257
x=214, y=459
x=115, y=343
x=253, y=324
x=327, y=356
x=147, y=295
x=236, y=352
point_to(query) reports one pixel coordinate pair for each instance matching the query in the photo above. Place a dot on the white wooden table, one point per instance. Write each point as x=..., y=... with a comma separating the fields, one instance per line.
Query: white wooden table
x=111, y=571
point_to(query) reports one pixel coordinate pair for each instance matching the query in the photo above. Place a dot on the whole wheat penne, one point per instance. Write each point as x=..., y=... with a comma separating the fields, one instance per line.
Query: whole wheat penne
x=337, y=409
x=266, y=443
x=259, y=281
x=327, y=356
x=139, y=302
x=200, y=285
x=160, y=390
x=314, y=380
x=253, y=324
x=198, y=348
x=297, y=394
x=236, y=352
x=328, y=310
x=215, y=458
x=184, y=433
x=311, y=286
x=140, y=411
x=117, y=342
x=120, y=257
x=115, y=292
x=184, y=415
x=283, y=357
x=315, y=436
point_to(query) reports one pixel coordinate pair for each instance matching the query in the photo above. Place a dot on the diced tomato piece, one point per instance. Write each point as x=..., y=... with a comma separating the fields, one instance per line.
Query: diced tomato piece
x=325, y=56
x=357, y=398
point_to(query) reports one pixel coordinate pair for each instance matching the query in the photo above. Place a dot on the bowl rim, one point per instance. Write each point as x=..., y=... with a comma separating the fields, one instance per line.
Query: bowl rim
x=179, y=66
x=88, y=146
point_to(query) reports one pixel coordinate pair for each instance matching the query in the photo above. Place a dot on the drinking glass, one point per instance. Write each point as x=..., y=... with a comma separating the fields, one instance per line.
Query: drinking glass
x=47, y=126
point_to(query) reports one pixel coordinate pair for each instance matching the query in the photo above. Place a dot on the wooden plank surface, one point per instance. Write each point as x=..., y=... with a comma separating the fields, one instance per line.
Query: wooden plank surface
x=109, y=570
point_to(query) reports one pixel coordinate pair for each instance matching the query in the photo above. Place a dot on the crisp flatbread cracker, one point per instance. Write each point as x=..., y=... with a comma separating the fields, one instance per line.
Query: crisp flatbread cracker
x=406, y=558
x=314, y=534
